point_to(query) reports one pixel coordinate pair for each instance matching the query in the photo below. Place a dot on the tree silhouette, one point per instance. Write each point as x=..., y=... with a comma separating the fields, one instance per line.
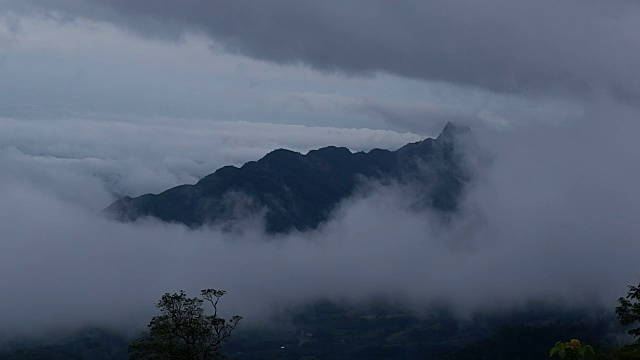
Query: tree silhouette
x=629, y=310
x=183, y=331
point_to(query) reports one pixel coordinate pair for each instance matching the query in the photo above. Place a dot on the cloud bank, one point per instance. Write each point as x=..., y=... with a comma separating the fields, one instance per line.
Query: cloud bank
x=553, y=216
x=134, y=156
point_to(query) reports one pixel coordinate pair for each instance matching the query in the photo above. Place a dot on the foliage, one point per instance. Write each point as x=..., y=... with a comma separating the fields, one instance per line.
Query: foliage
x=183, y=331
x=384, y=330
x=628, y=352
x=86, y=343
x=366, y=330
x=573, y=349
x=629, y=310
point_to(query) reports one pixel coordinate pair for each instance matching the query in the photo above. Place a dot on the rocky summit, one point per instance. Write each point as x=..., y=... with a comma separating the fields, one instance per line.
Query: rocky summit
x=298, y=192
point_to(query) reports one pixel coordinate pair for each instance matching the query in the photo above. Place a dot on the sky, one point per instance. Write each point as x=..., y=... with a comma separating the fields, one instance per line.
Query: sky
x=62, y=58
x=104, y=98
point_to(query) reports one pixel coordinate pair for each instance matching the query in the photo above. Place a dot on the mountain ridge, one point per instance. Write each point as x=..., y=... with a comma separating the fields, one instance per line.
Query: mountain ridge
x=299, y=191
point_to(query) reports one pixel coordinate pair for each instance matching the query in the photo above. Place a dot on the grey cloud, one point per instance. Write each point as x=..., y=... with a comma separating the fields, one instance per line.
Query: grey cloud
x=574, y=46
x=470, y=108
x=552, y=216
x=9, y=27
x=134, y=155
x=422, y=118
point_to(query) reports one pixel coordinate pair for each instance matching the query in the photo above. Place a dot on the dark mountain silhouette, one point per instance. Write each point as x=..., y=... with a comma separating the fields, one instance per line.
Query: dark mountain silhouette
x=298, y=191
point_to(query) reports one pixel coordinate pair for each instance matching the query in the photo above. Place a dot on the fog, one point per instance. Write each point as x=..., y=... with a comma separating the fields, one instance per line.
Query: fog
x=552, y=215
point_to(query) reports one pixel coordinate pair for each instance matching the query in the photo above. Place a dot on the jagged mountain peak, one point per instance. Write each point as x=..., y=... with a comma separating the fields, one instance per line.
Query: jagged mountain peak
x=298, y=191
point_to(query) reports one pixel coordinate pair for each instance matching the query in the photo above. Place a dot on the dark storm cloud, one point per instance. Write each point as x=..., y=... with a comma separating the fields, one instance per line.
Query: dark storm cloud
x=575, y=46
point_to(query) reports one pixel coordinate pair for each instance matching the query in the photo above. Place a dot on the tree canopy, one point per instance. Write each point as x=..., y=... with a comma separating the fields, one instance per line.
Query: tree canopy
x=183, y=330
x=629, y=310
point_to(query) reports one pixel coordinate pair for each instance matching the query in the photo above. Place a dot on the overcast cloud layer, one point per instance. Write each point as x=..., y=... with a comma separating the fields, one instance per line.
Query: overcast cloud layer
x=577, y=46
x=554, y=215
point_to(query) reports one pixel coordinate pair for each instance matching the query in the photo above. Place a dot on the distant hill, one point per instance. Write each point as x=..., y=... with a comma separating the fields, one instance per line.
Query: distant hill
x=373, y=329
x=299, y=192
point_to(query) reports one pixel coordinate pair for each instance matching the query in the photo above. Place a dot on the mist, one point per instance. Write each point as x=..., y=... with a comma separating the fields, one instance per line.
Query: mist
x=79, y=158
x=552, y=215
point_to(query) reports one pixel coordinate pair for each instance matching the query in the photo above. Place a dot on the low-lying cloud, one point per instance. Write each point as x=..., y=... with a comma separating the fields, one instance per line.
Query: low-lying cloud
x=553, y=216
x=133, y=156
